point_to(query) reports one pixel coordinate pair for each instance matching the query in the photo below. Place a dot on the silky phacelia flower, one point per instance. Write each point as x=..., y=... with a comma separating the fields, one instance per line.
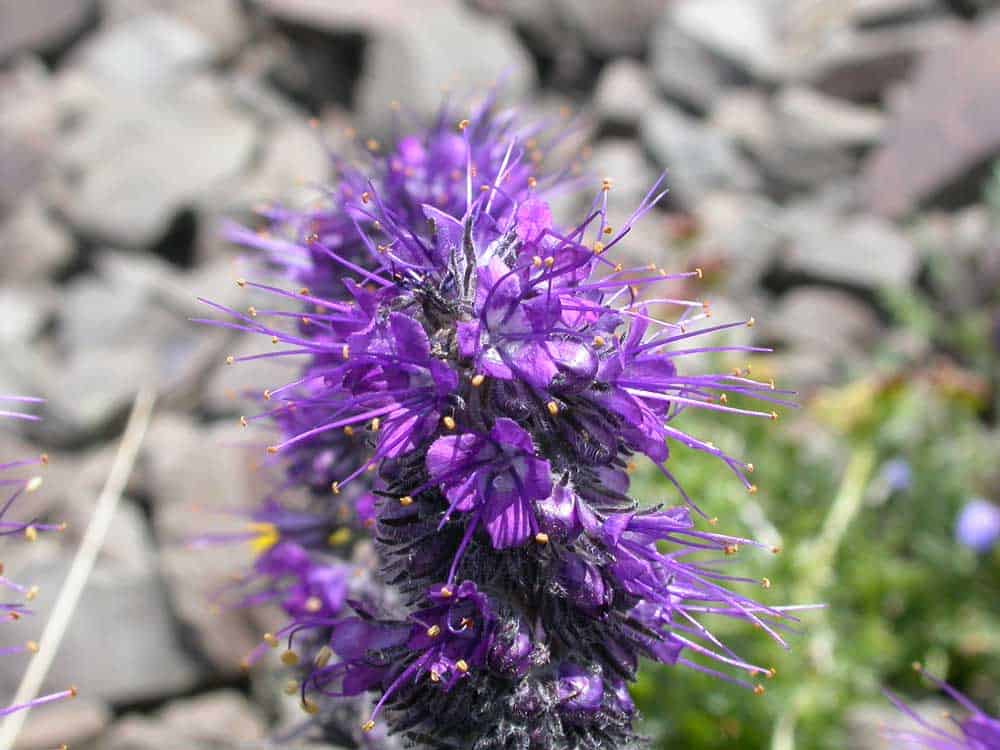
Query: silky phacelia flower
x=488, y=376
x=978, y=525
x=13, y=484
x=975, y=731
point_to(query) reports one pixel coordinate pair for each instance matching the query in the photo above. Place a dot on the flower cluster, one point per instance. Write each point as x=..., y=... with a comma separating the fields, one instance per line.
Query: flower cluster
x=977, y=731
x=477, y=381
x=13, y=484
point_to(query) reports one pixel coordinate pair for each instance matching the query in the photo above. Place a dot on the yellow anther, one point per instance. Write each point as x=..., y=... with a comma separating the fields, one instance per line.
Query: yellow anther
x=536, y=261
x=267, y=394
x=309, y=706
x=608, y=230
x=252, y=311
x=449, y=423
x=406, y=501
x=599, y=341
x=751, y=321
x=542, y=538
x=345, y=351
x=31, y=647
x=770, y=673
x=773, y=415
x=272, y=449
x=775, y=550
x=619, y=268
x=765, y=582
x=598, y=247
x=462, y=125
x=462, y=666
x=445, y=592
x=750, y=468
x=723, y=398
x=366, y=196
x=314, y=604
x=553, y=408
x=376, y=423
x=713, y=521
x=435, y=677
x=339, y=537
x=274, y=339
x=271, y=640
x=371, y=144
x=230, y=359
x=349, y=431
x=477, y=380
x=291, y=687
x=550, y=261
x=335, y=488
x=699, y=273
x=33, y=484
x=266, y=535
x=433, y=631
x=31, y=533
x=758, y=689
x=606, y=184
x=532, y=182
x=731, y=549
x=289, y=658
x=323, y=657
x=752, y=489
x=368, y=725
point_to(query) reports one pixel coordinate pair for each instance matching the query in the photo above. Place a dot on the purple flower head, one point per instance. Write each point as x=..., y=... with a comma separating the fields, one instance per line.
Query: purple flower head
x=978, y=525
x=496, y=476
x=489, y=375
x=975, y=731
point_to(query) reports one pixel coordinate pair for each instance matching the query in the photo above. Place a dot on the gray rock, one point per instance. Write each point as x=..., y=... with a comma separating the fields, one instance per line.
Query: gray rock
x=221, y=21
x=623, y=92
x=145, y=52
x=737, y=232
x=41, y=24
x=25, y=312
x=871, y=12
x=223, y=720
x=743, y=32
x=33, y=244
x=444, y=44
x=946, y=130
x=684, y=70
x=179, y=146
x=200, y=480
x=123, y=619
x=338, y=17
x=74, y=723
x=826, y=321
x=697, y=158
x=826, y=122
x=623, y=162
x=801, y=139
x=618, y=28
x=118, y=329
x=863, y=64
x=862, y=250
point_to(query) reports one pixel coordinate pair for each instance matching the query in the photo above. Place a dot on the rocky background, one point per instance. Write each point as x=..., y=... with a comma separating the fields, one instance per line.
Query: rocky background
x=830, y=165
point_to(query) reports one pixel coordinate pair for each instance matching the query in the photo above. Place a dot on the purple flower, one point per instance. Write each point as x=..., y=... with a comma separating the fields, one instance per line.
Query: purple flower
x=488, y=375
x=496, y=476
x=978, y=525
x=976, y=731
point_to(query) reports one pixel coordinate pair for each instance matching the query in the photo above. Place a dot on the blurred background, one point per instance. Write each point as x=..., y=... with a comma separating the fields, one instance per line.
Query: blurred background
x=832, y=168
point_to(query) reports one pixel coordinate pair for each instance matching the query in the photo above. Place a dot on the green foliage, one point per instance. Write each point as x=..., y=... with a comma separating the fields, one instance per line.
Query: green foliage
x=897, y=586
